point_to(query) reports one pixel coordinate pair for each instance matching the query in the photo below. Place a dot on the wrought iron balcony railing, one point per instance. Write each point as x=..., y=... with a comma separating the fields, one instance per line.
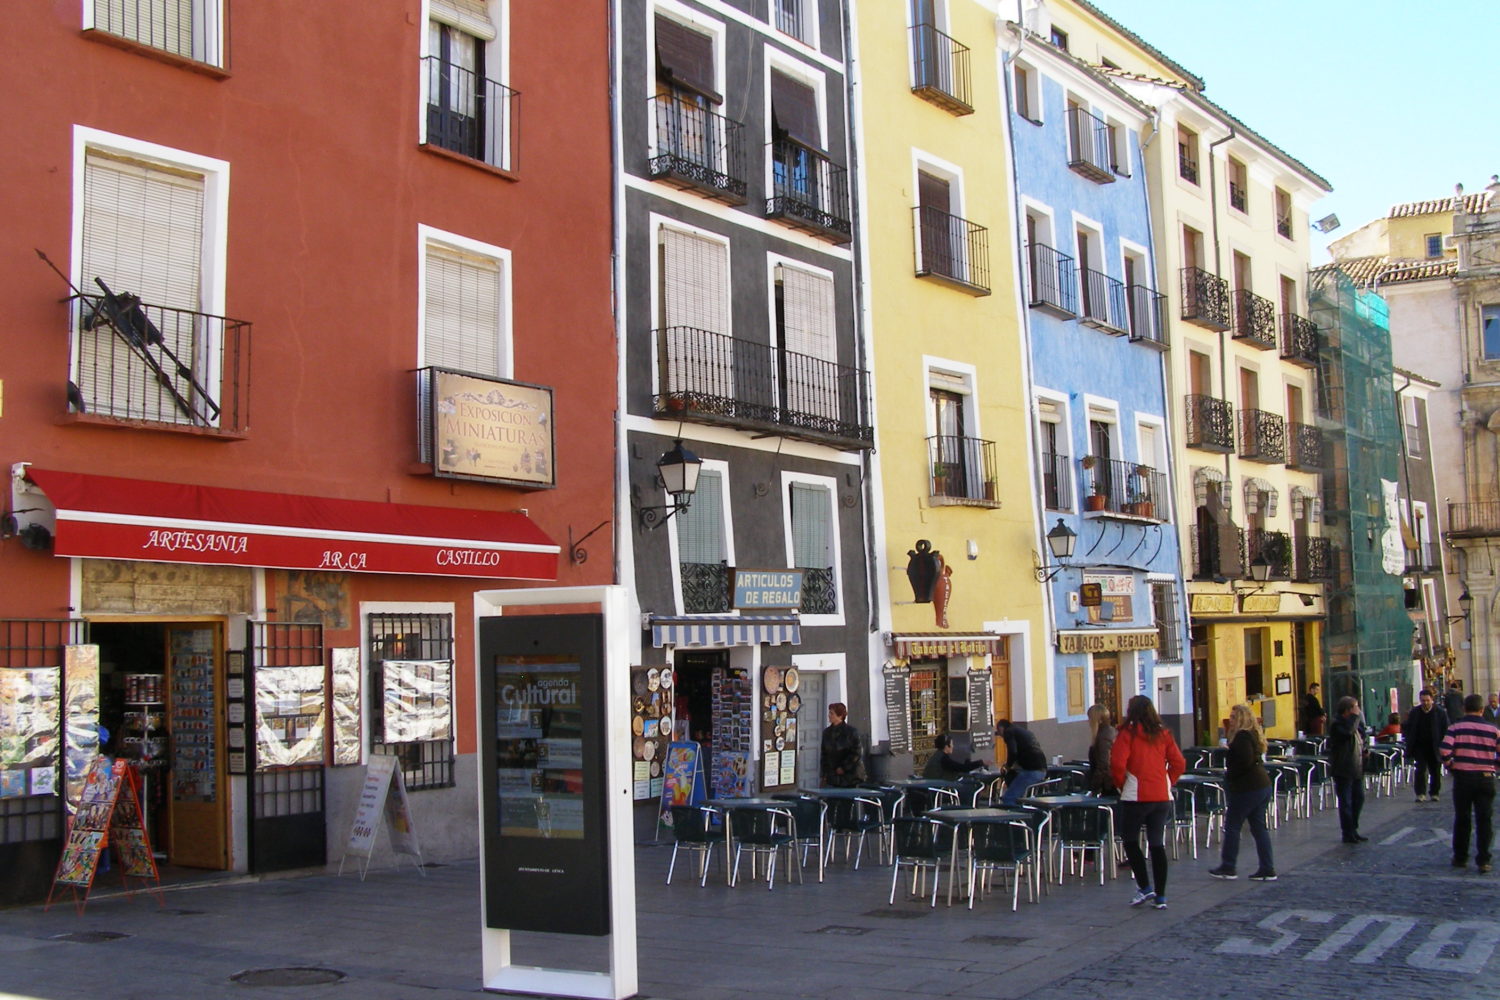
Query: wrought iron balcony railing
x=1057, y=481
x=1237, y=197
x=189, y=30
x=1210, y=424
x=1423, y=558
x=699, y=149
x=1205, y=299
x=952, y=250
x=709, y=378
x=1052, y=278
x=1475, y=519
x=1090, y=149
x=940, y=70
x=1113, y=486
x=1299, y=340
x=1148, y=320
x=792, y=18
x=809, y=191
x=1284, y=225
x=963, y=471
x=705, y=587
x=820, y=592
x=470, y=115
x=1275, y=547
x=156, y=365
x=1187, y=167
x=1218, y=551
x=1262, y=436
x=1313, y=562
x=1305, y=447
x=1103, y=302
x=1254, y=319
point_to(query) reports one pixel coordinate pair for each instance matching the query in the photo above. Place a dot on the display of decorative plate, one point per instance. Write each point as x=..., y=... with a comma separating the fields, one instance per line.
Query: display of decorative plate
x=639, y=704
x=666, y=678
x=794, y=703
x=780, y=743
x=790, y=680
x=656, y=769
x=653, y=679
x=766, y=745
x=665, y=726
x=781, y=701
x=639, y=746
x=779, y=728
x=772, y=678
x=638, y=683
x=650, y=750
x=638, y=724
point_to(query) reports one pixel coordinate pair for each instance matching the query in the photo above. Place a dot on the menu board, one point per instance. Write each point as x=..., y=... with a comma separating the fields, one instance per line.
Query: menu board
x=288, y=716
x=30, y=720
x=417, y=699
x=981, y=725
x=651, y=691
x=539, y=747
x=193, y=719
x=779, y=701
x=898, y=706
x=81, y=717
x=345, y=699
x=730, y=706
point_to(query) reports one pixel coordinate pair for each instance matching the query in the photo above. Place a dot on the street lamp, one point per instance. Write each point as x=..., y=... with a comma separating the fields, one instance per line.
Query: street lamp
x=1061, y=540
x=678, y=470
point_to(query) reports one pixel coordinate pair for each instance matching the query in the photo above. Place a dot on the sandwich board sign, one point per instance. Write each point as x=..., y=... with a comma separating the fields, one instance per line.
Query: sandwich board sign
x=383, y=797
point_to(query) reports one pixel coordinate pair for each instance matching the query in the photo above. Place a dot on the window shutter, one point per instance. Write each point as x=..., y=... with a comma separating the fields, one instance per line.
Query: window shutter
x=808, y=329
x=685, y=57
x=469, y=16
x=794, y=107
x=694, y=276
x=700, y=528
x=811, y=526
x=463, y=323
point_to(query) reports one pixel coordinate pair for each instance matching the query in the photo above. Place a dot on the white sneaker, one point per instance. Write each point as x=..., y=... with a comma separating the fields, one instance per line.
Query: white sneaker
x=1142, y=896
x=1421, y=798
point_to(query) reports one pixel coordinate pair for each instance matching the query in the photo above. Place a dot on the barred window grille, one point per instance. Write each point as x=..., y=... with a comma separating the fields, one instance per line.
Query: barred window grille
x=703, y=549
x=424, y=763
x=812, y=546
x=1164, y=607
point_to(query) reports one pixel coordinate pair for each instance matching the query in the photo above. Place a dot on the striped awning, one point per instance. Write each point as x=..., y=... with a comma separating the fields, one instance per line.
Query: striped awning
x=932, y=645
x=774, y=630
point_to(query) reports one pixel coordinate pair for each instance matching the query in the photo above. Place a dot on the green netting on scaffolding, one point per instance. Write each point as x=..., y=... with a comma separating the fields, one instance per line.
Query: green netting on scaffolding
x=1367, y=648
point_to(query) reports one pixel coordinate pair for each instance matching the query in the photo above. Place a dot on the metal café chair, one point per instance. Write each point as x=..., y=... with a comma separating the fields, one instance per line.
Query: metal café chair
x=1078, y=830
x=850, y=820
x=764, y=832
x=694, y=828
x=889, y=799
x=969, y=790
x=1184, y=823
x=1286, y=791
x=809, y=823
x=922, y=845
x=1009, y=848
x=1040, y=821
x=1051, y=786
x=1210, y=803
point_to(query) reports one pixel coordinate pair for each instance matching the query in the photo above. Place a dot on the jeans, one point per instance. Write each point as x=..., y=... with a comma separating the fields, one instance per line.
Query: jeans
x=1020, y=784
x=1252, y=806
x=1473, y=800
x=1351, y=796
x=1131, y=816
x=1429, y=778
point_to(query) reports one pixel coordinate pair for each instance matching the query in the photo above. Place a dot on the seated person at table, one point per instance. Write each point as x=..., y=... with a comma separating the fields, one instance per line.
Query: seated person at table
x=1027, y=763
x=942, y=763
x=1392, y=728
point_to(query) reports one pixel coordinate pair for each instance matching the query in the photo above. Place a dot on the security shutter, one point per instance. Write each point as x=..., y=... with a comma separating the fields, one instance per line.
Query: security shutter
x=463, y=311
x=808, y=335
x=472, y=17
x=161, y=24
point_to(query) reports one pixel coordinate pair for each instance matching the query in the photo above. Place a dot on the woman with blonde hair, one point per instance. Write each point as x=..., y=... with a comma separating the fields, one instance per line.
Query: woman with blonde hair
x=1101, y=742
x=1250, y=793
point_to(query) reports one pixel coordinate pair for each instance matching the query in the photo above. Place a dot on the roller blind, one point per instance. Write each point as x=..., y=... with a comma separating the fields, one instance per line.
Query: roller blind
x=685, y=57
x=812, y=526
x=694, y=296
x=469, y=16
x=794, y=107
x=463, y=311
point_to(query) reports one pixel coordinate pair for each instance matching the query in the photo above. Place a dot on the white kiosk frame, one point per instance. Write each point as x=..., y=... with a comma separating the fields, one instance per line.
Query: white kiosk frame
x=622, y=979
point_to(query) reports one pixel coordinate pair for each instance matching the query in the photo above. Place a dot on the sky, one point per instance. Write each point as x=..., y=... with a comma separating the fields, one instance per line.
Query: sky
x=1389, y=102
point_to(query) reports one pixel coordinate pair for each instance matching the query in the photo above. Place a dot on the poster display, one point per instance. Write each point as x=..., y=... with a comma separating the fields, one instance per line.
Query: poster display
x=345, y=696
x=108, y=815
x=194, y=723
x=417, y=699
x=288, y=716
x=730, y=699
x=539, y=748
x=682, y=780
x=30, y=723
x=80, y=718
x=779, y=702
x=651, y=691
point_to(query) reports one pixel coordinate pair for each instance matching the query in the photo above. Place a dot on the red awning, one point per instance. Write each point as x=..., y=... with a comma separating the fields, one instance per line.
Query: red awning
x=106, y=517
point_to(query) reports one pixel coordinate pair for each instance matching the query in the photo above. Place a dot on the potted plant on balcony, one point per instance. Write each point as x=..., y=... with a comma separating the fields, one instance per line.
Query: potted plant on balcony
x=1140, y=505
x=939, y=479
x=1097, y=499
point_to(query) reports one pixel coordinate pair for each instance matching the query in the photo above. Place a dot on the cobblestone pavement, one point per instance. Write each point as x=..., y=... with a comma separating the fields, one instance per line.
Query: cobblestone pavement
x=1385, y=919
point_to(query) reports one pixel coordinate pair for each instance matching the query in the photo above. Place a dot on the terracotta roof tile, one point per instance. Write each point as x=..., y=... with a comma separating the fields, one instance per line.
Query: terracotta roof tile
x=1364, y=270
x=1479, y=201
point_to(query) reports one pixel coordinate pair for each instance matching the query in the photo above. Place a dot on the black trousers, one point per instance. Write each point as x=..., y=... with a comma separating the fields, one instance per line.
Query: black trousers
x=1473, y=803
x=1429, y=776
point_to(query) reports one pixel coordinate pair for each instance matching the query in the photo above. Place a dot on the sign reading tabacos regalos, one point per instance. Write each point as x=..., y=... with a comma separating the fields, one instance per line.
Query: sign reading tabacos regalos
x=1105, y=641
x=489, y=429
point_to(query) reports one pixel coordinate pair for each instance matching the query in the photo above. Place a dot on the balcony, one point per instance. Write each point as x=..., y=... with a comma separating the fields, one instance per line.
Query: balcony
x=820, y=592
x=1147, y=316
x=1284, y=226
x=1112, y=486
x=809, y=192
x=1218, y=551
x=705, y=587
x=145, y=365
x=1254, y=319
x=1237, y=197
x=1210, y=424
x=1313, y=561
x=1299, y=340
x=1052, y=280
x=470, y=115
x=1274, y=547
x=1205, y=299
x=1474, y=520
x=952, y=250
x=1090, y=147
x=709, y=378
x=940, y=70
x=1187, y=168
x=1057, y=480
x=1423, y=559
x=699, y=150
x=963, y=471
x=1104, y=304
x=1305, y=447
x=1262, y=436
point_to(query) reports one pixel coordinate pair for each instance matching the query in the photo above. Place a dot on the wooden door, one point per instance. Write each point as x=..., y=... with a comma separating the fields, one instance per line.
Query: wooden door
x=1107, y=682
x=812, y=717
x=197, y=793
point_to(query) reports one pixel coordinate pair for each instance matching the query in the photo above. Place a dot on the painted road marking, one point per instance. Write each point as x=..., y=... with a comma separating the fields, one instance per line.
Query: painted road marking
x=1453, y=946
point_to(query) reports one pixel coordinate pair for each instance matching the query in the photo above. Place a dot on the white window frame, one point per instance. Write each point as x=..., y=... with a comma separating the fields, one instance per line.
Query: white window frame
x=773, y=262
x=925, y=163
x=1120, y=153
x=809, y=18
x=1105, y=411
x=786, y=65
x=832, y=485
x=1046, y=236
x=212, y=49
x=722, y=469
x=655, y=225
x=1061, y=401
x=496, y=66
x=427, y=235
x=1100, y=263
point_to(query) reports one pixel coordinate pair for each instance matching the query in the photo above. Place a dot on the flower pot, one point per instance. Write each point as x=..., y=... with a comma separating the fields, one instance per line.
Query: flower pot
x=1094, y=501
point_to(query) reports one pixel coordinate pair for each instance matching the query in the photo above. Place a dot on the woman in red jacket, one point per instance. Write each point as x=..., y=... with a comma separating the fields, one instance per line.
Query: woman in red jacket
x=1145, y=763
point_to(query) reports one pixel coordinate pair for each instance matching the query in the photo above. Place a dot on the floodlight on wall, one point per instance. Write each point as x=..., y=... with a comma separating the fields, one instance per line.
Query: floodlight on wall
x=1327, y=224
x=678, y=471
x=1061, y=541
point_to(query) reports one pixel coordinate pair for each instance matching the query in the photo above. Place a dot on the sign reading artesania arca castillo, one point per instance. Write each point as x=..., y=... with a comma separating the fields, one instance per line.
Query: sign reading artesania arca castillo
x=1105, y=640
x=489, y=429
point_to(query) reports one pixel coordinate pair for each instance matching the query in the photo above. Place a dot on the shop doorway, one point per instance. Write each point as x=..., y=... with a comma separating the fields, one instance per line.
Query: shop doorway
x=929, y=703
x=162, y=696
x=713, y=705
x=812, y=717
x=1107, y=682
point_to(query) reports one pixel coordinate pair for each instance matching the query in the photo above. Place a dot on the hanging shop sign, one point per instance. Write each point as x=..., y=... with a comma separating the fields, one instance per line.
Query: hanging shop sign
x=767, y=589
x=1211, y=604
x=1106, y=640
x=491, y=429
x=1260, y=604
x=937, y=645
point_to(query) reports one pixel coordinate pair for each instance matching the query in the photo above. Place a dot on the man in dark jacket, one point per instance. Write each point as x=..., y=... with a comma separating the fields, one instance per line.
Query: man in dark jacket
x=1453, y=701
x=1024, y=758
x=1423, y=733
x=1346, y=762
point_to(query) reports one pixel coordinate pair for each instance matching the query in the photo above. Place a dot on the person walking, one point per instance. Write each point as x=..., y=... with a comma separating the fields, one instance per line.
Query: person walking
x=1471, y=749
x=1453, y=701
x=1144, y=764
x=843, y=761
x=1101, y=742
x=1024, y=758
x=1423, y=733
x=1313, y=716
x=1346, y=760
x=1250, y=792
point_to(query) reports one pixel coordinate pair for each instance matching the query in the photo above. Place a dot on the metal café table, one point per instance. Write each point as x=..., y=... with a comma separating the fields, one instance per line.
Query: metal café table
x=966, y=817
x=1054, y=802
x=750, y=804
x=939, y=787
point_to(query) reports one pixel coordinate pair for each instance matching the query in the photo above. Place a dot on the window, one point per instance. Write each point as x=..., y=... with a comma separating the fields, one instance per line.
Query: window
x=1290, y=301
x=810, y=512
x=1294, y=403
x=950, y=429
x=1192, y=247
x=1413, y=411
x=465, y=306
x=1489, y=321
x=1119, y=147
x=798, y=18
x=1164, y=611
x=702, y=548
x=940, y=244
x=468, y=112
x=1028, y=95
x=1239, y=186
x=1434, y=243
x=1200, y=373
x=411, y=704
x=1059, y=38
x=794, y=117
x=1283, y=213
x=1056, y=494
x=1103, y=474
x=1241, y=272
x=693, y=299
x=806, y=332
x=191, y=29
x=1187, y=154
